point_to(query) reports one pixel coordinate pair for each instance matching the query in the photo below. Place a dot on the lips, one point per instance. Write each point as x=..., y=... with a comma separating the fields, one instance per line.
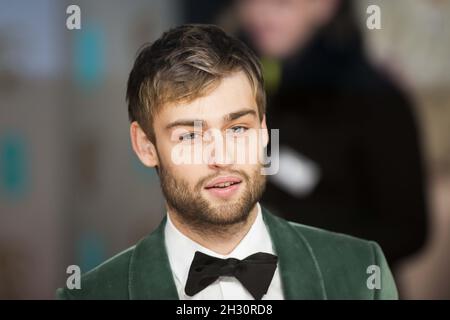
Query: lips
x=224, y=187
x=223, y=182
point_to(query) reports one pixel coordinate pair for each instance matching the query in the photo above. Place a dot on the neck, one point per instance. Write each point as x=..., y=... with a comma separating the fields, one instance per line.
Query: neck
x=221, y=240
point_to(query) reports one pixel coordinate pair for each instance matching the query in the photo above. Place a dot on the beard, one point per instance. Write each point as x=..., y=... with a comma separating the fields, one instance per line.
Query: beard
x=206, y=215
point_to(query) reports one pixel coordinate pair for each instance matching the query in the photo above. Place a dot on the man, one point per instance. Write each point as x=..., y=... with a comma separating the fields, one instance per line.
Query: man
x=188, y=90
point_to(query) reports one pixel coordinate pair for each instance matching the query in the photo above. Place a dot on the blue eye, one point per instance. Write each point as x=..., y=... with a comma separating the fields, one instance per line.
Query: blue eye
x=239, y=129
x=188, y=136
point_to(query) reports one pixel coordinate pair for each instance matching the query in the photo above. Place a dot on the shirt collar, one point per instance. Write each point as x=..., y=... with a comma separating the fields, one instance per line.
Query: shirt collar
x=181, y=249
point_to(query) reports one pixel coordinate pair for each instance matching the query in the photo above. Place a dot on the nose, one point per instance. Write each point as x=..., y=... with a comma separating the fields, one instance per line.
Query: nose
x=219, y=154
x=217, y=163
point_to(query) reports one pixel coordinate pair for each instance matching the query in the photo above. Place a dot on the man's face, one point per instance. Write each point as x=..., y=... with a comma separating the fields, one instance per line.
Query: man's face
x=213, y=191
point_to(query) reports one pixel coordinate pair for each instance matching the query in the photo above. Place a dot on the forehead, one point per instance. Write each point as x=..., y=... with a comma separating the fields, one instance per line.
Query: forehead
x=233, y=93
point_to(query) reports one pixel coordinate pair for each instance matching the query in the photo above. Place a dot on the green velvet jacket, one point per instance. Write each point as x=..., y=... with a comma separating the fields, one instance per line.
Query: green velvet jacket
x=313, y=264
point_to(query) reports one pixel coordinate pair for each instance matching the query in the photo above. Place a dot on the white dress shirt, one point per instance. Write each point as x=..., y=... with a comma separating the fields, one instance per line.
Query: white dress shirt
x=181, y=250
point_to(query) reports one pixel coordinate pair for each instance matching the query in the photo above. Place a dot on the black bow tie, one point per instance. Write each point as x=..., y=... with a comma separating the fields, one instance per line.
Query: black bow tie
x=254, y=272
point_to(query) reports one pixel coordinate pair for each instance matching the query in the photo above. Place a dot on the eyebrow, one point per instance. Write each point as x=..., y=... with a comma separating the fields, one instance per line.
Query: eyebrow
x=229, y=117
x=236, y=115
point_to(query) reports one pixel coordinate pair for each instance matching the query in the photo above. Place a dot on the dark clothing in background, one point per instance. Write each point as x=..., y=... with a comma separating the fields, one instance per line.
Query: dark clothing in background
x=338, y=111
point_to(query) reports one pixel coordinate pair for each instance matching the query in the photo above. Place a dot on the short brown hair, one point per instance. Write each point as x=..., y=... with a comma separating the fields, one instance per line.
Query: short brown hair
x=183, y=65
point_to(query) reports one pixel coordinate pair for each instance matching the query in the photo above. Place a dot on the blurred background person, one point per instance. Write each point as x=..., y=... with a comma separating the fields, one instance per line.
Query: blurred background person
x=350, y=153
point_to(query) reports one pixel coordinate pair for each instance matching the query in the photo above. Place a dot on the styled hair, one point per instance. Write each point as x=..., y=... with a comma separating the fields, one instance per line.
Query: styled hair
x=184, y=64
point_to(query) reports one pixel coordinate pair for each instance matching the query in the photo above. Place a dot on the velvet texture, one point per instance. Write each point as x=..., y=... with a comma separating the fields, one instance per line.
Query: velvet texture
x=314, y=264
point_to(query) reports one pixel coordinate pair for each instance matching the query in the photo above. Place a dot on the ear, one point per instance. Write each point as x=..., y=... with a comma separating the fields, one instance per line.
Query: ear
x=142, y=146
x=265, y=134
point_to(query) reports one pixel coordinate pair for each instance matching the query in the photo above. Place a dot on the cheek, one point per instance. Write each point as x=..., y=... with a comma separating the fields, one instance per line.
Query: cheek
x=167, y=152
x=249, y=148
x=187, y=173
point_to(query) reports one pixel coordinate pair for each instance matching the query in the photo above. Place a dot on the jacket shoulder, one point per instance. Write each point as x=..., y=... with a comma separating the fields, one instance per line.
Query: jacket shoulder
x=322, y=239
x=347, y=262
x=109, y=280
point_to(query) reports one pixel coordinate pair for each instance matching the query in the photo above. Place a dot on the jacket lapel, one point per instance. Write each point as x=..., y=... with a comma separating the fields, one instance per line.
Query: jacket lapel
x=150, y=272
x=300, y=273
x=151, y=275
